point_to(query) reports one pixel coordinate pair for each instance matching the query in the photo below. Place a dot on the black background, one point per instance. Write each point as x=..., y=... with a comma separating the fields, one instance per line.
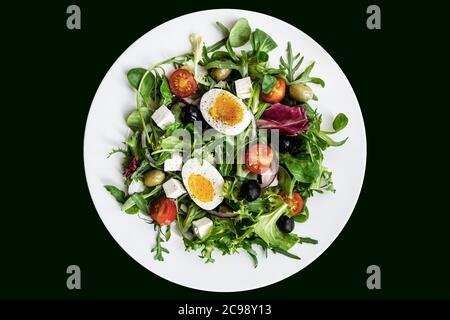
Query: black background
x=49, y=221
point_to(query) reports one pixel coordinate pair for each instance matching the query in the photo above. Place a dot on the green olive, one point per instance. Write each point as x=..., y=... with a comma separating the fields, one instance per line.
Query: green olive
x=220, y=74
x=153, y=178
x=300, y=92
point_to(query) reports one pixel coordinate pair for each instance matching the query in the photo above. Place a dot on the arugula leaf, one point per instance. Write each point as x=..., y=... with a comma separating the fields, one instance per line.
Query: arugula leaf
x=118, y=194
x=308, y=240
x=284, y=252
x=134, y=143
x=262, y=42
x=168, y=232
x=239, y=33
x=253, y=104
x=285, y=181
x=149, y=196
x=305, y=78
x=140, y=202
x=231, y=52
x=329, y=141
x=216, y=46
x=243, y=66
x=163, y=157
x=159, y=249
x=134, y=121
x=268, y=83
x=292, y=66
x=194, y=213
x=143, y=167
x=260, y=242
x=247, y=246
x=132, y=210
x=261, y=108
x=166, y=94
x=222, y=28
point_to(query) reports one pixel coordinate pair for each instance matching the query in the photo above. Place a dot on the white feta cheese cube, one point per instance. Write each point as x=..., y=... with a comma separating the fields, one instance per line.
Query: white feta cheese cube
x=174, y=163
x=136, y=186
x=202, y=227
x=243, y=88
x=173, y=188
x=163, y=117
x=221, y=84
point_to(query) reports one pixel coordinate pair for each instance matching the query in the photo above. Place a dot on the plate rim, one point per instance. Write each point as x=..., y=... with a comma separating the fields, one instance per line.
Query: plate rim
x=235, y=11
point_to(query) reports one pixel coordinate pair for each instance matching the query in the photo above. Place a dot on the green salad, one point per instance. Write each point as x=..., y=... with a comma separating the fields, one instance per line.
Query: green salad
x=225, y=147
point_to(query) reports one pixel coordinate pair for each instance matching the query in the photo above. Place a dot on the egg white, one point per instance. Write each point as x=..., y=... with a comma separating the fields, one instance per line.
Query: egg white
x=206, y=169
x=207, y=102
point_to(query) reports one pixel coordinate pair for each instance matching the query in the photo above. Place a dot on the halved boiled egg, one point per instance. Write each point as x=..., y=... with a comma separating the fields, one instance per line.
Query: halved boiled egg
x=225, y=112
x=203, y=183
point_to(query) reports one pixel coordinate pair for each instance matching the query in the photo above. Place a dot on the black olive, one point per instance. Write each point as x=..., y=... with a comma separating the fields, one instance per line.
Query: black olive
x=287, y=143
x=190, y=114
x=250, y=190
x=285, y=224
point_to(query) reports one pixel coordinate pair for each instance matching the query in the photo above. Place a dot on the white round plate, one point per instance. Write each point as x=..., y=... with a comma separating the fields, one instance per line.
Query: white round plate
x=106, y=129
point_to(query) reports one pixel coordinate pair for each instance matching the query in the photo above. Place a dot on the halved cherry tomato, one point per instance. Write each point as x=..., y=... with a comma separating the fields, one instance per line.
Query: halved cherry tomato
x=163, y=210
x=182, y=84
x=277, y=93
x=296, y=202
x=258, y=158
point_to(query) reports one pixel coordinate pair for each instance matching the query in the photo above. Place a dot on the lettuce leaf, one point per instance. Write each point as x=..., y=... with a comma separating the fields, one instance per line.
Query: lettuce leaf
x=266, y=228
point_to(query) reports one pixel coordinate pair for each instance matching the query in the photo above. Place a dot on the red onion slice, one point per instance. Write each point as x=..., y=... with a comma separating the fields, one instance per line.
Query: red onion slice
x=222, y=214
x=269, y=176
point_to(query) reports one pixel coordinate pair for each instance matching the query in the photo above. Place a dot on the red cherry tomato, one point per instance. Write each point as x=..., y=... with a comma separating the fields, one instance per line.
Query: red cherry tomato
x=277, y=93
x=258, y=158
x=163, y=210
x=296, y=202
x=182, y=84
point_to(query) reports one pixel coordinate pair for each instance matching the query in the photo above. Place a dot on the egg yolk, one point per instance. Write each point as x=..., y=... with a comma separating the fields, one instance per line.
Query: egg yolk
x=201, y=188
x=226, y=110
